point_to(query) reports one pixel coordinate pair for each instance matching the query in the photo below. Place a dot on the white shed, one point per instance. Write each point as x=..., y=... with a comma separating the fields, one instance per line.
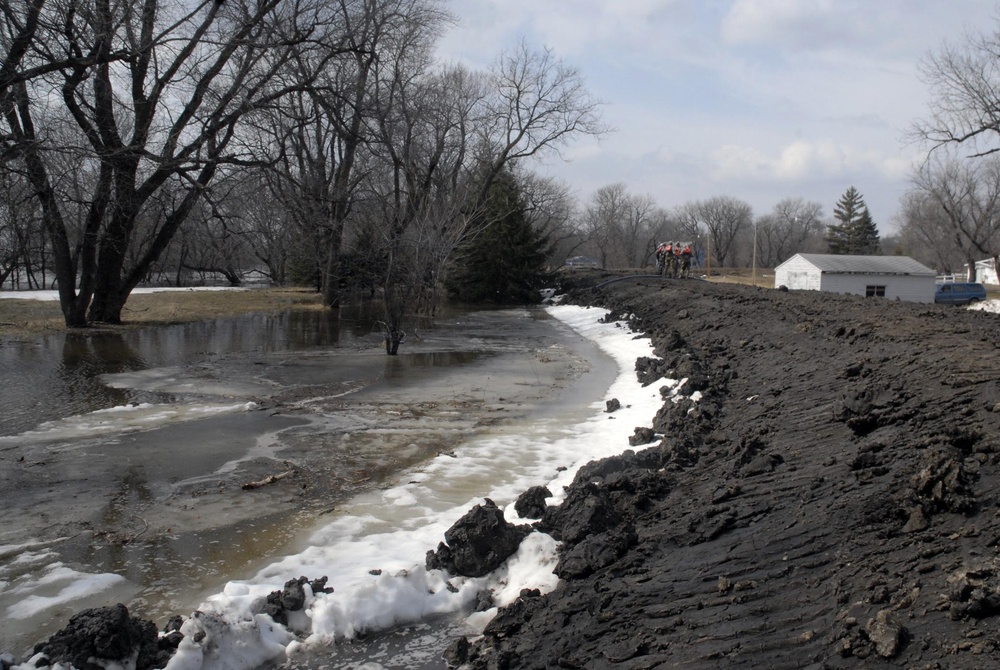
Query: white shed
x=985, y=272
x=893, y=277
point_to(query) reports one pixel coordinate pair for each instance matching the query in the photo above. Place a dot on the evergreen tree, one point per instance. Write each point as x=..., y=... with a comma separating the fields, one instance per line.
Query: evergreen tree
x=866, y=239
x=503, y=262
x=856, y=234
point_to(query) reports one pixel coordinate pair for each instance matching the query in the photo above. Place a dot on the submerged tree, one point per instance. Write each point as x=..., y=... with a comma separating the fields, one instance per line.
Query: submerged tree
x=503, y=262
x=856, y=234
x=443, y=137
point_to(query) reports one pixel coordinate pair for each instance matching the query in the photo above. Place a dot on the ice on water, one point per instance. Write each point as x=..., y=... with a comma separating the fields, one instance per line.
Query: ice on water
x=122, y=419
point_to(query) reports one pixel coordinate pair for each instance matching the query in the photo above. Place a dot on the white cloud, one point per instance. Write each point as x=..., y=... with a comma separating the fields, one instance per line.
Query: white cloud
x=800, y=161
x=862, y=28
x=641, y=32
x=588, y=150
x=739, y=162
x=787, y=22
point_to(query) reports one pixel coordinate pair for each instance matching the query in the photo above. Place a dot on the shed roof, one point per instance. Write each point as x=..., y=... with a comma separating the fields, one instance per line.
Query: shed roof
x=868, y=265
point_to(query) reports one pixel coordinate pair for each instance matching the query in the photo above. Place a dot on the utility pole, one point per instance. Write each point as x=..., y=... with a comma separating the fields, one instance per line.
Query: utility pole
x=708, y=254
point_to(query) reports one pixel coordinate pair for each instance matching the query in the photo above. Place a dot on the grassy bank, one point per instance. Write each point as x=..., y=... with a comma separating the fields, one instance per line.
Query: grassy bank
x=763, y=278
x=22, y=318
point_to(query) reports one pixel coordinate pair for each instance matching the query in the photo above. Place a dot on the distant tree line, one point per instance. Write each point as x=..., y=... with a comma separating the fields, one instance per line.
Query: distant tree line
x=622, y=230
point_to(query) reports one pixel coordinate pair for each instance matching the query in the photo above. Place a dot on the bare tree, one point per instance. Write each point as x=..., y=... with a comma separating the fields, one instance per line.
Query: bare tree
x=325, y=131
x=420, y=178
x=213, y=238
x=793, y=226
x=154, y=94
x=623, y=229
x=538, y=104
x=725, y=218
x=636, y=233
x=926, y=233
x=444, y=139
x=551, y=208
x=965, y=86
x=24, y=29
x=659, y=227
x=964, y=116
x=968, y=192
x=686, y=221
x=22, y=246
x=603, y=221
x=684, y=224
x=266, y=225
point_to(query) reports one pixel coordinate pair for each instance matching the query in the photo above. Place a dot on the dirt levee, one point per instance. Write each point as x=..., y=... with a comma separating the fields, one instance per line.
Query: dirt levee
x=830, y=502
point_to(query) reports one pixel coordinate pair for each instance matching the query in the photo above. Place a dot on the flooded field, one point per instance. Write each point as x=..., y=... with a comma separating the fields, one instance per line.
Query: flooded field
x=124, y=456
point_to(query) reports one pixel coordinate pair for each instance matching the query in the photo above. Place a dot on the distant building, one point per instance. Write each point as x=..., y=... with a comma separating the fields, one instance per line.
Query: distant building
x=892, y=277
x=582, y=262
x=986, y=273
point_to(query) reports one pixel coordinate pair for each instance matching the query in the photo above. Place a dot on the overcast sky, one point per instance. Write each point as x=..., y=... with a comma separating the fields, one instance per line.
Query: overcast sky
x=757, y=99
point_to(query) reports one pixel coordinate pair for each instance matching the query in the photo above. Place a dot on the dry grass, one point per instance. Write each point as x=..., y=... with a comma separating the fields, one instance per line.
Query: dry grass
x=764, y=277
x=33, y=317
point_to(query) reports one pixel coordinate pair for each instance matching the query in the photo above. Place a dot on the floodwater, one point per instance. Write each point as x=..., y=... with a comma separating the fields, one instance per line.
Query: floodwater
x=54, y=376
x=128, y=453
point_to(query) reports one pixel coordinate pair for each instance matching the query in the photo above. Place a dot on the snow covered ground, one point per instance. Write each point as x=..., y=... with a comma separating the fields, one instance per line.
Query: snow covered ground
x=987, y=306
x=54, y=295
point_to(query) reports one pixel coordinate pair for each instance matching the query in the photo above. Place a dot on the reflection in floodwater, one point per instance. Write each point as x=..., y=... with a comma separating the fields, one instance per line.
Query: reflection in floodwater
x=132, y=490
x=132, y=493
x=58, y=375
x=84, y=359
x=397, y=366
x=174, y=569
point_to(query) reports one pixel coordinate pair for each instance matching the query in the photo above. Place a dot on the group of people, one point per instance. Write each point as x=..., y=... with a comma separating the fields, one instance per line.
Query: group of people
x=673, y=259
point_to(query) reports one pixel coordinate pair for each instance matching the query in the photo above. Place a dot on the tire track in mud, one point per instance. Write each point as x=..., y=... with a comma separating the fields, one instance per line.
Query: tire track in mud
x=832, y=502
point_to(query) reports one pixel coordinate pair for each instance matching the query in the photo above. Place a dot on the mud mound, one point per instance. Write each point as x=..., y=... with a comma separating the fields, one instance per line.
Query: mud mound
x=832, y=502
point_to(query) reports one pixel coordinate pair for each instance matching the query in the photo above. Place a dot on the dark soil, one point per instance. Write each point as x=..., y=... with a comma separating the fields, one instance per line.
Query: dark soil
x=831, y=502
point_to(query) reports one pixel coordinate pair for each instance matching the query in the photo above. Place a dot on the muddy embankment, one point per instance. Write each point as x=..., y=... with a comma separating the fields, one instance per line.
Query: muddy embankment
x=831, y=502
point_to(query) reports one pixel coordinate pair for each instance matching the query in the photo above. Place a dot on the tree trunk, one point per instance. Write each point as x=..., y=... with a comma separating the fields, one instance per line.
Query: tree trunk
x=113, y=289
x=74, y=306
x=179, y=275
x=232, y=277
x=331, y=269
x=109, y=308
x=393, y=338
x=108, y=300
x=395, y=299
